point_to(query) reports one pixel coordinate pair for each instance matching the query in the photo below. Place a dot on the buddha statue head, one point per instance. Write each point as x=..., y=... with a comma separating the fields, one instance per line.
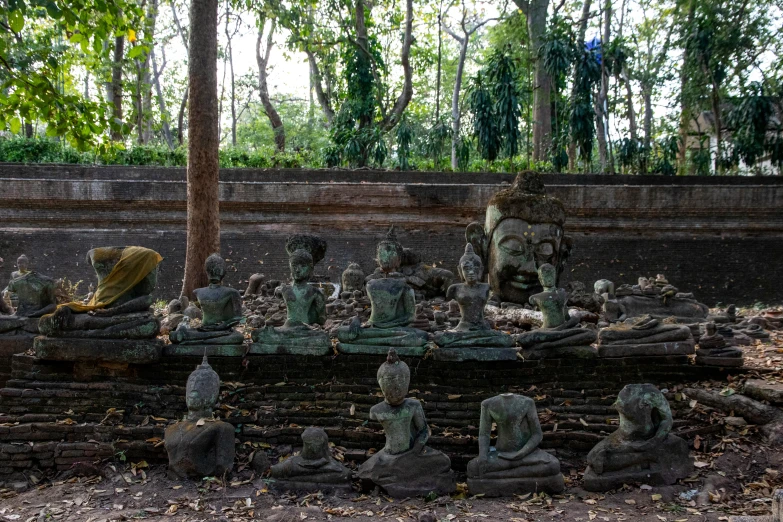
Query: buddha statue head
x=389, y=252
x=301, y=264
x=310, y=243
x=642, y=409
x=353, y=278
x=23, y=264
x=523, y=230
x=394, y=377
x=215, y=266
x=202, y=391
x=547, y=276
x=710, y=329
x=471, y=269
x=315, y=444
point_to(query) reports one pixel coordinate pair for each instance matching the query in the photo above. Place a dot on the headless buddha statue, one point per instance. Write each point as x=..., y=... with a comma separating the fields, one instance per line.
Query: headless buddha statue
x=472, y=297
x=405, y=466
x=314, y=468
x=221, y=307
x=515, y=464
x=393, y=308
x=120, y=307
x=35, y=298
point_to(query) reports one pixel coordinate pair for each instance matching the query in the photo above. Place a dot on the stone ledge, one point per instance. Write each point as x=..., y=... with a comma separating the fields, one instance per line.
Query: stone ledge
x=211, y=350
x=475, y=353
x=13, y=344
x=562, y=352
x=402, y=351
x=650, y=349
x=516, y=486
x=120, y=351
x=291, y=348
x=723, y=362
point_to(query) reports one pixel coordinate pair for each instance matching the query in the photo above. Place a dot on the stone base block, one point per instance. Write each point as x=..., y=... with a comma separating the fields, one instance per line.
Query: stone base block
x=615, y=480
x=310, y=487
x=516, y=486
x=764, y=391
x=212, y=350
x=444, y=484
x=475, y=353
x=117, y=351
x=13, y=344
x=289, y=349
x=641, y=350
x=562, y=352
x=723, y=362
x=402, y=351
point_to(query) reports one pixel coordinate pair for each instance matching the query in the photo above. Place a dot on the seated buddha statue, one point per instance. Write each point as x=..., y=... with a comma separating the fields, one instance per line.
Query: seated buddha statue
x=305, y=306
x=406, y=466
x=642, y=449
x=35, y=298
x=644, y=336
x=314, y=468
x=472, y=296
x=560, y=334
x=120, y=306
x=515, y=465
x=393, y=309
x=221, y=309
x=715, y=351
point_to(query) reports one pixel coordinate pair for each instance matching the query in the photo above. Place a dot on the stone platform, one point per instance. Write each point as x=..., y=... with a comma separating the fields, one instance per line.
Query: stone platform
x=113, y=351
x=289, y=349
x=468, y=353
x=11, y=345
x=646, y=349
x=210, y=350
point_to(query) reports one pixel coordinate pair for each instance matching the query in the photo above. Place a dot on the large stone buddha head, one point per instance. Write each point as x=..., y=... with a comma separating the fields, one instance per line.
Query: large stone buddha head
x=523, y=230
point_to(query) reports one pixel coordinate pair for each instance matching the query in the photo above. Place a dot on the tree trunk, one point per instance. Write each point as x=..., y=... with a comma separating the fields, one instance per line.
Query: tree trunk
x=455, y=113
x=146, y=79
x=233, y=84
x=602, y=105
x=116, y=87
x=263, y=60
x=405, y=96
x=324, y=98
x=684, y=107
x=184, y=103
x=647, y=95
x=165, y=117
x=440, y=62
x=716, y=114
x=580, y=42
x=203, y=226
x=542, y=108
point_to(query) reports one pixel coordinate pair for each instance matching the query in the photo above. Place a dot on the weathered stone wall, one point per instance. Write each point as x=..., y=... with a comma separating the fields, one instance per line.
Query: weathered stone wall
x=717, y=237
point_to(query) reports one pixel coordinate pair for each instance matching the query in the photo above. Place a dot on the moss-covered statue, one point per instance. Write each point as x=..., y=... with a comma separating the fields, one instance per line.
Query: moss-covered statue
x=305, y=306
x=314, y=468
x=472, y=296
x=221, y=307
x=120, y=308
x=406, y=466
x=393, y=309
x=642, y=449
x=35, y=297
x=515, y=465
x=523, y=229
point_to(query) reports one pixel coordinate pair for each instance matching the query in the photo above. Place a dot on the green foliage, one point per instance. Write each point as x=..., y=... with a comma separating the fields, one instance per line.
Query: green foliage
x=486, y=129
x=404, y=139
x=502, y=73
x=750, y=120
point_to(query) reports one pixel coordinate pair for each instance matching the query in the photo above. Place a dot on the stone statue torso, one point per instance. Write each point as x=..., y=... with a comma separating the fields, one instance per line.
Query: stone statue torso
x=302, y=302
x=553, y=306
x=34, y=291
x=217, y=303
x=392, y=302
x=508, y=413
x=471, y=300
x=397, y=422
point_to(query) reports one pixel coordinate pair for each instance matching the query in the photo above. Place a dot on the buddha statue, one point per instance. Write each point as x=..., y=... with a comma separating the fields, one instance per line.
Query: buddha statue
x=515, y=465
x=644, y=336
x=642, y=449
x=406, y=466
x=120, y=307
x=523, y=230
x=656, y=298
x=715, y=351
x=305, y=306
x=353, y=279
x=34, y=296
x=221, y=309
x=560, y=334
x=314, y=468
x=472, y=296
x=200, y=446
x=393, y=309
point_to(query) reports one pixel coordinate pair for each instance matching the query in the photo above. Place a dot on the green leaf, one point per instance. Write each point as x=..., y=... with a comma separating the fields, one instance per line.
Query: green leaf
x=51, y=131
x=136, y=52
x=16, y=21
x=15, y=125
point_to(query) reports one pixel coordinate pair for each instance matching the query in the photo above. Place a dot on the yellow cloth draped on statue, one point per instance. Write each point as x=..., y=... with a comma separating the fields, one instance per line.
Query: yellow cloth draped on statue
x=134, y=265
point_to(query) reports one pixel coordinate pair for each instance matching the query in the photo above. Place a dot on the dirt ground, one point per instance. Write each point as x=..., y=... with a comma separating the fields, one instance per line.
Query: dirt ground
x=735, y=473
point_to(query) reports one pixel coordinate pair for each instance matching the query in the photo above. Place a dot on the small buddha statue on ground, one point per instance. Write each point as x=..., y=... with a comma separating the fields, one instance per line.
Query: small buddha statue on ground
x=644, y=336
x=472, y=296
x=221, y=307
x=35, y=298
x=120, y=307
x=353, y=279
x=305, y=306
x=406, y=466
x=314, y=468
x=200, y=446
x=393, y=310
x=714, y=351
x=515, y=465
x=560, y=335
x=642, y=449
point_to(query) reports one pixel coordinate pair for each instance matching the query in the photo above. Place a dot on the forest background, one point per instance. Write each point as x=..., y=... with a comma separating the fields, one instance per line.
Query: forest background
x=626, y=86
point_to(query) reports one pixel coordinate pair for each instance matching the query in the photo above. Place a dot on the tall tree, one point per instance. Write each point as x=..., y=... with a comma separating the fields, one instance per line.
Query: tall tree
x=203, y=227
x=262, y=58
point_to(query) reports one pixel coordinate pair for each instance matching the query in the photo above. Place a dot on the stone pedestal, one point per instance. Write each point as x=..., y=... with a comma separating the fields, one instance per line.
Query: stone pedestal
x=211, y=350
x=516, y=486
x=291, y=348
x=116, y=351
x=474, y=353
x=560, y=352
x=198, y=451
x=13, y=344
x=364, y=349
x=723, y=362
x=646, y=349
